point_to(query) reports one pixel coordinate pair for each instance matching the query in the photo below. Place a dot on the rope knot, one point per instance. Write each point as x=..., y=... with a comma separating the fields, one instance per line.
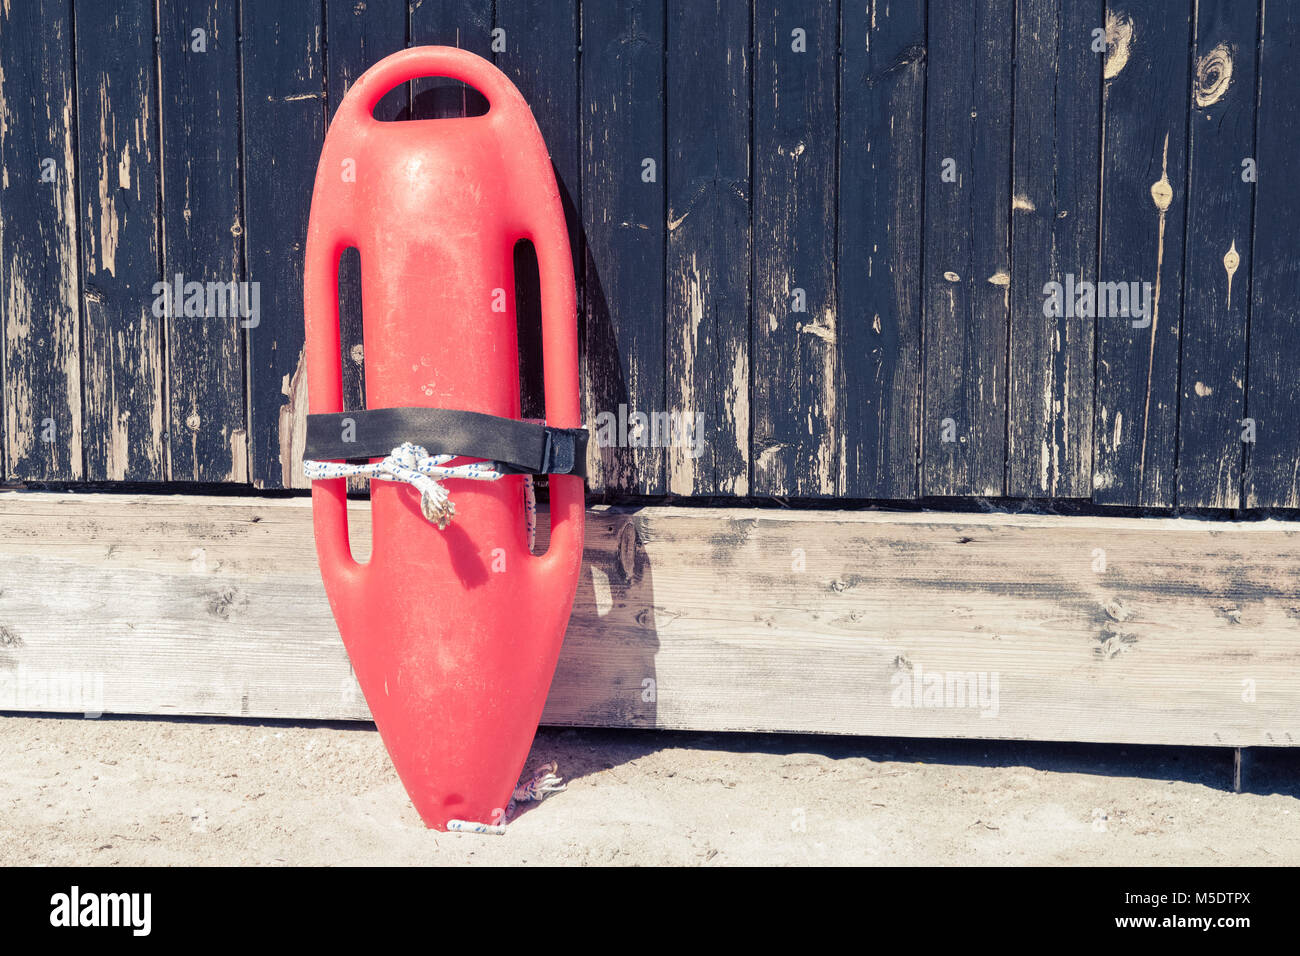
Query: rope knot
x=414, y=465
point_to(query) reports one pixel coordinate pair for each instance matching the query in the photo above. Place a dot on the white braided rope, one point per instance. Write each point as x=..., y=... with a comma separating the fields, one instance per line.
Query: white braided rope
x=414, y=465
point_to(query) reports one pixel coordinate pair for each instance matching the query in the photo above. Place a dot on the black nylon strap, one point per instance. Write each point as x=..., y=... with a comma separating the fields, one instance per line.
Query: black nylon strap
x=522, y=448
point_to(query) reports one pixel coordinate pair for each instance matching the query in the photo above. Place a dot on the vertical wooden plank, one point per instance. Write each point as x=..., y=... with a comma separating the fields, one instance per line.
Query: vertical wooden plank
x=40, y=292
x=882, y=107
x=1144, y=177
x=202, y=236
x=466, y=24
x=1054, y=208
x=118, y=168
x=623, y=219
x=1273, y=396
x=359, y=34
x=540, y=55
x=707, y=295
x=966, y=247
x=284, y=126
x=1216, y=286
x=795, y=321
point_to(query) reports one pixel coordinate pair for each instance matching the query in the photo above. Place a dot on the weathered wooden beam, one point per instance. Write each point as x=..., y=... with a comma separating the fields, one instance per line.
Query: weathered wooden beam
x=283, y=110
x=40, y=276
x=707, y=300
x=1055, y=192
x=1169, y=631
x=882, y=124
x=623, y=224
x=1272, y=479
x=794, y=355
x=118, y=168
x=202, y=230
x=966, y=247
x=1145, y=104
x=1220, y=208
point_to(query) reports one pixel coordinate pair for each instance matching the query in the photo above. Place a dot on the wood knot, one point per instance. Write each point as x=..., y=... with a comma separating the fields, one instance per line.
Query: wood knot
x=1117, y=610
x=1119, y=43
x=1162, y=194
x=1114, y=642
x=225, y=603
x=1213, y=75
x=1231, y=259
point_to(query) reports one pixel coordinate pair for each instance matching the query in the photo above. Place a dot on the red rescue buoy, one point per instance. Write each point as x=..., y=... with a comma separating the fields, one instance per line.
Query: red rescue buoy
x=453, y=632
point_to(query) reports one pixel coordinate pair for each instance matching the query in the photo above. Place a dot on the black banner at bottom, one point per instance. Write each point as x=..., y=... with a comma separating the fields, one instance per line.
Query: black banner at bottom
x=297, y=906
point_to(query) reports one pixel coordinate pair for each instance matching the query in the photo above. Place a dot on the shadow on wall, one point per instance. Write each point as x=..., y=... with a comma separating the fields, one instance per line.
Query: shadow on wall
x=608, y=390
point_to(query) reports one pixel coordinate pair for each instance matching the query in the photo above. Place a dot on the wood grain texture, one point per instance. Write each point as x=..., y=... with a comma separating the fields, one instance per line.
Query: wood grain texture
x=707, y=297
x=284, y=121
x=119, y=168
x=623, y=213
x=795, y=324
x=1054, y=207
x=708, y=619
x=882, y=120
x=40, y=275
x=202, y=224
x=966, y=249
x=1273, y=400
x=541, y=59
x=1144, y=193
x=1216, y=283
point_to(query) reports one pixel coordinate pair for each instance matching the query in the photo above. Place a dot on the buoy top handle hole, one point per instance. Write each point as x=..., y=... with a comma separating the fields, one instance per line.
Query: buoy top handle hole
x=430, y=98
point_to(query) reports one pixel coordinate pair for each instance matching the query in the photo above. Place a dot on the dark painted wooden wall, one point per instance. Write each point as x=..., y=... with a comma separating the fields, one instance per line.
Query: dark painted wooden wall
x=825, y=227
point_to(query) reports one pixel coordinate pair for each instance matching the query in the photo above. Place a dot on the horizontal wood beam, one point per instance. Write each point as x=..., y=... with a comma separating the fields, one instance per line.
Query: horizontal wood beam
x=1092, y=629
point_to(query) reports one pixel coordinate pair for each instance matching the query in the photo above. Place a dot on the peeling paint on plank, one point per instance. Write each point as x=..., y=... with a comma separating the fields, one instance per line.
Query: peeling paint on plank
x=125, y=373
x=708, y=246
x=292, y=427
x=796, y=374
x=40, y=277
x=207, y=434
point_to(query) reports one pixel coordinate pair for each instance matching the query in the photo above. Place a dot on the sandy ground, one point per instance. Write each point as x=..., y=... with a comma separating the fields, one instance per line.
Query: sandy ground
x=136, y=791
